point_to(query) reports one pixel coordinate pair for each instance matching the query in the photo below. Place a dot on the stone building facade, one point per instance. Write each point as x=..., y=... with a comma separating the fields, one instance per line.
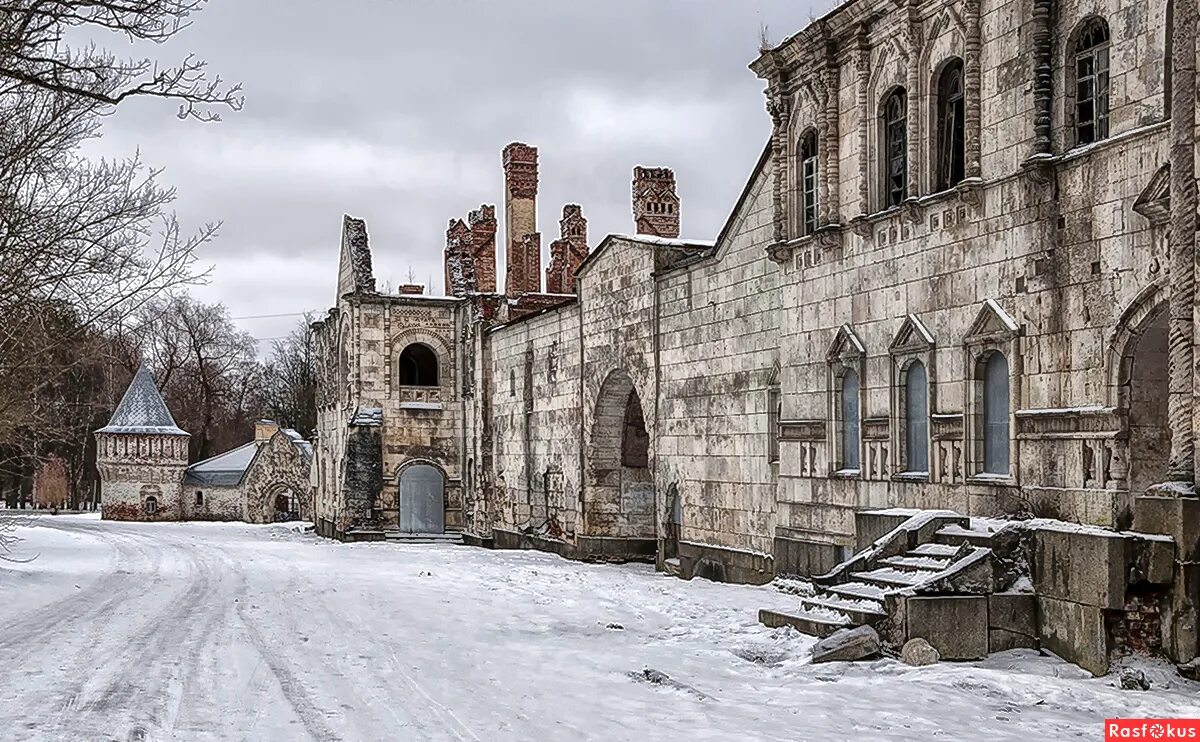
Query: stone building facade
x=960, y=277
x=142, y=457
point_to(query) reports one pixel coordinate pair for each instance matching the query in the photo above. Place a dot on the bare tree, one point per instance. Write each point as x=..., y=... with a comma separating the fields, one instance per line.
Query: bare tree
x=290, y=380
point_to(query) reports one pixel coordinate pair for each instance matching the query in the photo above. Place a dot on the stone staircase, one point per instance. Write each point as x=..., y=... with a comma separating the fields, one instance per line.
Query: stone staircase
x=928, y=551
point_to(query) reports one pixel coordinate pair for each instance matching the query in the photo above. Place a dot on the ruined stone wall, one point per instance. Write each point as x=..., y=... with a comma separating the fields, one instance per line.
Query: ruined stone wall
x=535, y=422
x=1054, y=241
x=719, y=352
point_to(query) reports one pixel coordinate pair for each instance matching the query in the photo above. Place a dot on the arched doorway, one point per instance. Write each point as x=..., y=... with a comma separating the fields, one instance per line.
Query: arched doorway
x=1145, y=398
x=618, y=498
x=422, y=499
x=285, y=504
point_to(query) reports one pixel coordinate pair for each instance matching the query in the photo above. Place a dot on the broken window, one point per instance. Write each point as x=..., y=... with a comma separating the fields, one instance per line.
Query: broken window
x=199, y=497
x=895, y=147
x=418, y=366
x=1091, y=82
x=151, y=505
x=635, y=442
x=850, y=423
x=808, y=181
x=951, y=125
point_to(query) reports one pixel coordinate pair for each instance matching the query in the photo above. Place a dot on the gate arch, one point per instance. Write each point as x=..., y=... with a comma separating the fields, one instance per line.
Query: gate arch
x=421, y=497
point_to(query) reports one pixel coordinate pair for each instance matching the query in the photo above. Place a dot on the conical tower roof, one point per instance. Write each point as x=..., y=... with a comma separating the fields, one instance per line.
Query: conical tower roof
x=142, y=410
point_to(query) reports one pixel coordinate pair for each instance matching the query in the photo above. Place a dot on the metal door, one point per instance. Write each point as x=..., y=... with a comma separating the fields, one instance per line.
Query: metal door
x=422, y=500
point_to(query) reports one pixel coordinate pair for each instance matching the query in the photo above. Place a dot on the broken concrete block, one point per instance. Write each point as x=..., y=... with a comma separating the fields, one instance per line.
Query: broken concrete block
x=1075, y=632
x=1134, y=679
x=1081, y=566
x=956, y=625
x=919, y=653
x=1014, y=612
x=847, y=645
x=1001, y=640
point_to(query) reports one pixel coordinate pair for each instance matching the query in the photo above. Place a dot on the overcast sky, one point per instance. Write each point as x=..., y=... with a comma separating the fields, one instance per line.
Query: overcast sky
x=396, y=111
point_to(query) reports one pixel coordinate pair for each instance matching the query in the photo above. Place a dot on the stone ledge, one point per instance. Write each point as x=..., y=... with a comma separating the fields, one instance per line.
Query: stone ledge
x=724, y=564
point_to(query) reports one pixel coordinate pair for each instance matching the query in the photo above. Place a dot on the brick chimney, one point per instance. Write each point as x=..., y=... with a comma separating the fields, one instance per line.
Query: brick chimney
x=524, y=263
x=655, y=202
x=568, y=251
x=461, y=275
x=411, y=289
x=264, y=429
x=482, y=222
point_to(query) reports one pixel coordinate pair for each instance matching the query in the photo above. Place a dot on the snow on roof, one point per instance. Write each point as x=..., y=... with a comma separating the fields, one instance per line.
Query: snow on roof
x=224, y=469
x=142, y=409
x=371, y=416
x=655, y=240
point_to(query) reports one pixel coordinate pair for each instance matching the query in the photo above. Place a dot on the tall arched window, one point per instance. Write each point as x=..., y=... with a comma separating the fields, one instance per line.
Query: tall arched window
x=895, y=147
x=1091, y=81
x=849, y=413
x=995, y=414
x=951, y=145
x=916, y=418
x=808, y=181
x=418, y=366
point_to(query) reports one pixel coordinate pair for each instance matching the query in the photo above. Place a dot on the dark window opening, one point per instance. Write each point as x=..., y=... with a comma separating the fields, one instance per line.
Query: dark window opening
x=418, y=366
x=199, y=497
x=151, y=505
x=808, y=181
x=951, y=168
x=1091, y=82
x=895, y=147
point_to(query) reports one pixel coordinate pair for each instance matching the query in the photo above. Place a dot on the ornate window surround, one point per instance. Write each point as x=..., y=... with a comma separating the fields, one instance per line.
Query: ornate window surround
x=846, y=353
x=993, y=330
x=912, y=342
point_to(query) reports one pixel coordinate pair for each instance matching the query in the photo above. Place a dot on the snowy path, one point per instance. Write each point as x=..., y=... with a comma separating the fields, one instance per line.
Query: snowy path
x=232, y=632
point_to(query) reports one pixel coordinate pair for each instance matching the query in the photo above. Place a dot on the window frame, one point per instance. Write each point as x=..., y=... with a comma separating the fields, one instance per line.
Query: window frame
x=417, y=373
x=950, y=159
x=994, y=330
x=1098, y=80
x=809, y=181
x=846, y=353
x=912, y=343
x=893, y=148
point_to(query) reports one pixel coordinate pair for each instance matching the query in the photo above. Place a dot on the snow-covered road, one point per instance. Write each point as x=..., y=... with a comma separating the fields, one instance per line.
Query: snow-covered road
x=231, y=632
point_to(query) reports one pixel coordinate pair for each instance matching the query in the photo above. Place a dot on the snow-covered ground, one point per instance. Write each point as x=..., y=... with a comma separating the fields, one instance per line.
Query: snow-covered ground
x=233, y=632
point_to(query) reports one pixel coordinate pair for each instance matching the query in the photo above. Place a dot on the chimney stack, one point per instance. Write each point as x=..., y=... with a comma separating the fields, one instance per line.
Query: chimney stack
x=460, y=267
x=522, y=242
x=483, y=247
x=655, y=202
x=568, y=251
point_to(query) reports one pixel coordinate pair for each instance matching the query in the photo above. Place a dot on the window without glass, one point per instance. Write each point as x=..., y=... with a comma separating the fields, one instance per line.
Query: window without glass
x=1091, y=82
x=951, y=124
x=773, y=410
x=916, y=418
x=995, y=414
x=895, y=147
x=418, y=366
x=849, y=412
x=808, y=180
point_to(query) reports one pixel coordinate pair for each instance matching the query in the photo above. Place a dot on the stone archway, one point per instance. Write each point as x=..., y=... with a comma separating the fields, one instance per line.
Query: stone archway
x=1142, y=394
x=284, y=502
x=618, y=492
x=422, y=499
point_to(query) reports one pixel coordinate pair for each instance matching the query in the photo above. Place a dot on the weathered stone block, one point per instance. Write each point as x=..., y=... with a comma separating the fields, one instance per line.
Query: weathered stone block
x=847, y=645
x=1153, y=561
x=1086, y=567
x=1013, y=612
x=1177, y=517
x=1075, y=632
x=1000, y=640
x=919, y=653
x=956, y=625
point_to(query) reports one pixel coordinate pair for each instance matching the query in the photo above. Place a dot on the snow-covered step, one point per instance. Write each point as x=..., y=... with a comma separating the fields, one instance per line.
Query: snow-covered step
x=890, y=577
x=820, y=623
x=918, y=562
x=860, y=590
x=954, y=535
x=856, y=609
x=934, y=550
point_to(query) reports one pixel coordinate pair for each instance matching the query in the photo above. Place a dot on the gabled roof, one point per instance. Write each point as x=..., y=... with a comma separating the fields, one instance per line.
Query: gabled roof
x=229, y=468
x=142, y=409
x=912, y=334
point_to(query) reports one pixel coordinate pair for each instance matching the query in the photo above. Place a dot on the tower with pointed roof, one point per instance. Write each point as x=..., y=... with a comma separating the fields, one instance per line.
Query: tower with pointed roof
x=142, y=455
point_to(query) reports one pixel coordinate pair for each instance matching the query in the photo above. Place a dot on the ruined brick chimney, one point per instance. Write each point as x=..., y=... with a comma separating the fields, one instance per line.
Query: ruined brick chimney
x=523, y=244
x=568, y=251
x=458, y=261
x=482, y=222
x=655, y=202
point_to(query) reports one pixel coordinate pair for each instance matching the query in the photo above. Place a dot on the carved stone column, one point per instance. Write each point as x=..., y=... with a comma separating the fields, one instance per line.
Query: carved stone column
x=830, y=208
x=912, y=39
x=862, y=50
x=1043, y=77
x=1182, y=381
x=778, y=105
x=972, y=87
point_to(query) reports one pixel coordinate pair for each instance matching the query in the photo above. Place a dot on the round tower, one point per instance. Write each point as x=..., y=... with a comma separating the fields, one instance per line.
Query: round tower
x=141, y=455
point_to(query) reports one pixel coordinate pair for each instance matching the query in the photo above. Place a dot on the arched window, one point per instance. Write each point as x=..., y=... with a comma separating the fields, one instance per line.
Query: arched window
x=808, y=181
x=916, y=418
x=995, y=414
x=151, y=505
x=418, y=366
x=849, y=413
x=1091, y=81
x=951, y=145
x=895, y=148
